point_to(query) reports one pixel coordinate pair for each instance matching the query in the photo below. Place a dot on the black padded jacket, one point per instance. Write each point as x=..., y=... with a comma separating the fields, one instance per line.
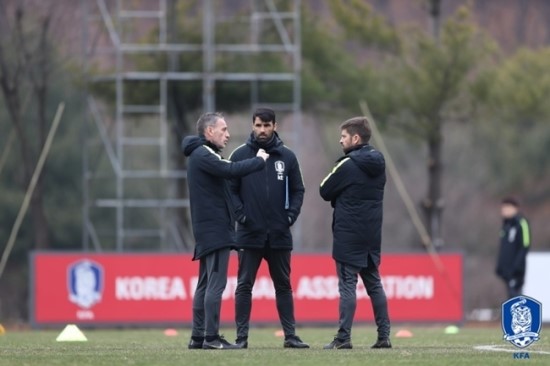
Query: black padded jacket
x=267, y=202
x=355, y=188
x=207, y=178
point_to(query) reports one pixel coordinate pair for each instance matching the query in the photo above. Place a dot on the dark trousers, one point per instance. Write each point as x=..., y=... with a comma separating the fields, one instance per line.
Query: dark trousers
x=207, y=300
x=278, y=262
x=347, y=286
x=514, y=286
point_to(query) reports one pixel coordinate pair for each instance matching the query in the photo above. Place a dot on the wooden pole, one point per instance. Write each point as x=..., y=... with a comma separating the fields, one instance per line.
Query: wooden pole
x=32, y=186
x=405, y=197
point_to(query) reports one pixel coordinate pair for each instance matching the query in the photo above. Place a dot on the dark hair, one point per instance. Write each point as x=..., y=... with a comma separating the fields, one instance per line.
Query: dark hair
x=358, y=126
x=510, y=201
x=264, y=114
x=207, y=119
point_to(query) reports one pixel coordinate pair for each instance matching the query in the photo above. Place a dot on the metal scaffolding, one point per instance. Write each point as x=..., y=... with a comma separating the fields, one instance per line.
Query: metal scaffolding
x=130, y=178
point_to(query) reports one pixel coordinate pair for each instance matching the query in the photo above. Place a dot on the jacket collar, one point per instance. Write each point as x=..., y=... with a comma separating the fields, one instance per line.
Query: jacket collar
x=270, y=146
x=354, y=148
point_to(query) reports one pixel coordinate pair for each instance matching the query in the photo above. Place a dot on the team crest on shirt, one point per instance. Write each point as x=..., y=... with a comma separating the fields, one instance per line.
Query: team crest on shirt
x=280, y=169
x=512, y=234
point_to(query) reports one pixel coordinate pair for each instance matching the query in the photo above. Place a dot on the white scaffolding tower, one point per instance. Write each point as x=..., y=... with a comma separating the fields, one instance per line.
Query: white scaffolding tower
x=130, y=178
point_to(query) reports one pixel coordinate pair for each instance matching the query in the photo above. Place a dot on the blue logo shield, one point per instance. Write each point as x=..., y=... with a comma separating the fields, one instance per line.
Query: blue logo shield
x=85, y=283
x=521, y=320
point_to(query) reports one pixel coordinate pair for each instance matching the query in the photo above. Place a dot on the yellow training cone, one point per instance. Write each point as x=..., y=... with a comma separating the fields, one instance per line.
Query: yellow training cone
x=71, y=333
x=2, y=330
x=451, y=329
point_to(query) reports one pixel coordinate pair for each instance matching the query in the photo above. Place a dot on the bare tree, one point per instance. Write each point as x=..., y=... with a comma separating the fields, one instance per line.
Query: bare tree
x=25, y=70
x=433, y=203
x=428, y=74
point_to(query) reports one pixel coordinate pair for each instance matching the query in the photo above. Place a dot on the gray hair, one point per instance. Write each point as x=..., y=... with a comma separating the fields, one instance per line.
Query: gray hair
x=207, y=119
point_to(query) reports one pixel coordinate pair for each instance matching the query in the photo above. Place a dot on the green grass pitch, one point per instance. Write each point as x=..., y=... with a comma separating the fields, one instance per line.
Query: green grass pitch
x=429, y=345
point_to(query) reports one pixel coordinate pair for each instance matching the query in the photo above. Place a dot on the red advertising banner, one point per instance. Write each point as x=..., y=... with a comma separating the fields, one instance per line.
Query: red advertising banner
x=91, y=288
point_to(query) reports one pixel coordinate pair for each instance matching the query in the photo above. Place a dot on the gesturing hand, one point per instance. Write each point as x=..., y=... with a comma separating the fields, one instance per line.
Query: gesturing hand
x=262, y=154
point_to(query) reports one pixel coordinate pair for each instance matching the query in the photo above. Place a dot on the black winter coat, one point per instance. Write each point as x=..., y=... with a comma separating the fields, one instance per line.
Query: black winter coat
x=207, y=174
x=267, y=202
x=355, y=188
x=515, y=240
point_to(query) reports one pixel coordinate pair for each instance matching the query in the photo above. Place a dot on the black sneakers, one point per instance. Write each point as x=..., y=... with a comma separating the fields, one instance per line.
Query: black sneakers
x=294, y=342
x=338, y=343
x=241, y=343
x=290, y=342
x=218, y=343
x=195, y=343
x=382, y=343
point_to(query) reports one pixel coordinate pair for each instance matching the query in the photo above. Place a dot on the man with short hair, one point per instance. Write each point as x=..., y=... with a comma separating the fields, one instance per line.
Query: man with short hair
x=355, y=189
x=213, y=228
x=267, y=203
x=515, y=240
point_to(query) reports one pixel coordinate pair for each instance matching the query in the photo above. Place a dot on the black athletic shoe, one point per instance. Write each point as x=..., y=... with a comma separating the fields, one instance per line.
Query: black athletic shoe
x=338, y=343
x=382, y=343
x=195, y=344
x=241, y=343
x=294, y=342
x=218, y=343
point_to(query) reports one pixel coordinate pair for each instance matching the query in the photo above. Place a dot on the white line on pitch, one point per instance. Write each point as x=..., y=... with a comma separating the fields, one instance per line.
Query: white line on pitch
x=499, y=349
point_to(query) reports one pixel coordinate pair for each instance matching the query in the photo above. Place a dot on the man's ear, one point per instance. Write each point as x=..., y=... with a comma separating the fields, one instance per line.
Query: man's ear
x=274, y=126
x=356, y=139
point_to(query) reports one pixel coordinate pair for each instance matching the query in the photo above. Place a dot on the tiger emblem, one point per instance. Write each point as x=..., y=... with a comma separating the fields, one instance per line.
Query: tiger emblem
x=521, y=321
x=521, y=317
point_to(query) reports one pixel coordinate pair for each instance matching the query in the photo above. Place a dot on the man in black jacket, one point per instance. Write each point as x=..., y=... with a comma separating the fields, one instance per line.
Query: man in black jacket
x=266, y=203
x=207, y=175
x=355, y=189
x=515, y=240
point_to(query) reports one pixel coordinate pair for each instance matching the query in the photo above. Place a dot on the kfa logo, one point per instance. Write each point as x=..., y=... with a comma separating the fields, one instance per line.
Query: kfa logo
x=280, y=169
x=521, y=320
x=85, y=283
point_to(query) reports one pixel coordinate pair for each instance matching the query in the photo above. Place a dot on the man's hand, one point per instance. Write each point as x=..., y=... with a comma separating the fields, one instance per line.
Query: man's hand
x=262, y=154
x=291, y=219
x=241, y=219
